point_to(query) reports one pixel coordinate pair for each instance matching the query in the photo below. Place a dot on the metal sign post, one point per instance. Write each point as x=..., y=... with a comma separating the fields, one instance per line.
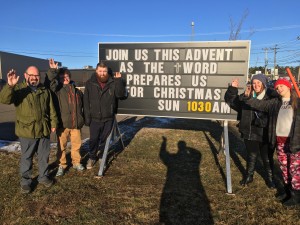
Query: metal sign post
x=227, y=155
x=114, y=137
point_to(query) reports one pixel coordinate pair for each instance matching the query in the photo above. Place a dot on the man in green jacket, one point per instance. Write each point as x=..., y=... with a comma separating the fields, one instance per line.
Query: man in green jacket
x=35, y=120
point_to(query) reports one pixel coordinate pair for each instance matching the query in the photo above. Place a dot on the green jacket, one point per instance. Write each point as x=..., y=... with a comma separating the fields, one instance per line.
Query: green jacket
x=35, y=112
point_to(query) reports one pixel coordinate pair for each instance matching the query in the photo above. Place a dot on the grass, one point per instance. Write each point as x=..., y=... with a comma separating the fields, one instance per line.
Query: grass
x=150, y=183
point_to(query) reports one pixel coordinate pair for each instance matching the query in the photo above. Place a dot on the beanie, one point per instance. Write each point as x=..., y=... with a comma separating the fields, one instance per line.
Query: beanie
x=261, y=77
x=283, y=81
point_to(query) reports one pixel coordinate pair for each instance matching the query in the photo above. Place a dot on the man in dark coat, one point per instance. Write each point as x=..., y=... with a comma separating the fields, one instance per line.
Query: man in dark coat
x=101, y=95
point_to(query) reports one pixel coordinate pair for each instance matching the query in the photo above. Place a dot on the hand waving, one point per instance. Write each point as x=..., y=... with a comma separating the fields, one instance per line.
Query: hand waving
x=235, y=83
x=52, y=64
x=12, y=78
x=118, y=75
x=248, y=90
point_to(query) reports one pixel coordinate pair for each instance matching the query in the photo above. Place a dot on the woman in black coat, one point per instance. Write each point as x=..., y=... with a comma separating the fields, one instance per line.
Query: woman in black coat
x=253, y=127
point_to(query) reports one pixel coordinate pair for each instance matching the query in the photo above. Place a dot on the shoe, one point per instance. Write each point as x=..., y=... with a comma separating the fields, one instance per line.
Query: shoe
x=247, y=180
x=60, y=171
x=283, y=195
x=47, y=183
x=25, y=189
x=79, y=167
x=294, y=199
x=90, y=163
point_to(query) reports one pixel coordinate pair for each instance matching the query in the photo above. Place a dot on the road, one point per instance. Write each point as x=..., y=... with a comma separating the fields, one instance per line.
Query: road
x=7, y=124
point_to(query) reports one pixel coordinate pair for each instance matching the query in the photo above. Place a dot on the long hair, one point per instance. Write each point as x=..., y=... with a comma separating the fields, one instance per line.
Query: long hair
x=294, y=99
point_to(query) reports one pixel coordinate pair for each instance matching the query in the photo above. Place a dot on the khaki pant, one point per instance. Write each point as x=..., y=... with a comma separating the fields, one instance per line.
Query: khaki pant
x=75, y=138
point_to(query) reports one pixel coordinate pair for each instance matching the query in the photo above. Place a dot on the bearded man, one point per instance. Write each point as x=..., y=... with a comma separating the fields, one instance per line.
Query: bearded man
x=101, y=95
x=36, y=118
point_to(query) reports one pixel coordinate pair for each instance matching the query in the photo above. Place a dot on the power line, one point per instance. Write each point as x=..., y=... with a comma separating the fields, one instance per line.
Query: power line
x=150, y=36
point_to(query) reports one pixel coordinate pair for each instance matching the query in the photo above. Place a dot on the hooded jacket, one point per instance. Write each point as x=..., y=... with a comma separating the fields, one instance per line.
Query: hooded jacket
x=35, y=111
x=101, y=104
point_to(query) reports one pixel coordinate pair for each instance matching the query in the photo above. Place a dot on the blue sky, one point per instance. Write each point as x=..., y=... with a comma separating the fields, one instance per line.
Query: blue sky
x=69, y=31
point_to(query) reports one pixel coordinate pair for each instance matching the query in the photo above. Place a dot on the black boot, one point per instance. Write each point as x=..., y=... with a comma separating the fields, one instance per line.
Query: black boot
x=284, y=195
x=267, y=158
x=247, y=180
x=250, y=167
x=270, y=180
x=294, y=199
x=270, y=183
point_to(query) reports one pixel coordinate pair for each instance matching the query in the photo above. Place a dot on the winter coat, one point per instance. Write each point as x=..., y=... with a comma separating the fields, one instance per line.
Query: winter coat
x=272, y=107
x=253, y=123
x=68, y=102
x=101, y=105
x=35, y=111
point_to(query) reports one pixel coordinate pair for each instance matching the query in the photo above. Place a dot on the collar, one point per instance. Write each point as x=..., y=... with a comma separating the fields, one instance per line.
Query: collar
x=261, y=95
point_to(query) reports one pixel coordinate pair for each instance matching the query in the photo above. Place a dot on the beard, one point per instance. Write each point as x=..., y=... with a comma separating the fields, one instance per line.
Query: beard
x=103, y=79
x=32, y=83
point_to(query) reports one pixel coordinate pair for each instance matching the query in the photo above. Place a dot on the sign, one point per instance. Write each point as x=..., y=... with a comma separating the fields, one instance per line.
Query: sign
x=182, y=79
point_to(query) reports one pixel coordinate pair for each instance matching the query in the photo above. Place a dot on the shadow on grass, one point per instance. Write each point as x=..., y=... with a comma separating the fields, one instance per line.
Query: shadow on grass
x=237, y=147
x=130, y=127
x=183, y=200
x=215, y=153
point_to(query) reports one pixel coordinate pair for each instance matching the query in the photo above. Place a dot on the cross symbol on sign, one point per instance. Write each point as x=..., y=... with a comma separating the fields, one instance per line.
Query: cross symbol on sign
x=177, y=66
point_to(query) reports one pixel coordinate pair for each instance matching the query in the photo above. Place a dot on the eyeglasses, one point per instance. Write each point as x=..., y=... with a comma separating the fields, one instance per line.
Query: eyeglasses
x=33, y=75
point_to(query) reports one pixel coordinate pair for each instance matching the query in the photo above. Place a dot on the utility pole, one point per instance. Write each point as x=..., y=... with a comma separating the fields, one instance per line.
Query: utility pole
x=298, y=38
x=193, y=32
x=275, y=52
x=266, y=59
x=298, y=78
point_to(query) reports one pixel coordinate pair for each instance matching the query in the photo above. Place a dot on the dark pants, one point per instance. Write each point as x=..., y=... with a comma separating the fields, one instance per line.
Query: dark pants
x=99, y=131
x=29, y=147
x=254, y=148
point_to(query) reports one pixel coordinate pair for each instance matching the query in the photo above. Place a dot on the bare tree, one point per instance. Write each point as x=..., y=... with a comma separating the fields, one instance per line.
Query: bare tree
x=235, y=29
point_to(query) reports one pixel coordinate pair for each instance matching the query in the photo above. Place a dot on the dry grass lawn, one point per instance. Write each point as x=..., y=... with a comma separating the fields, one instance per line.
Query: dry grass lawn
x=171, y=172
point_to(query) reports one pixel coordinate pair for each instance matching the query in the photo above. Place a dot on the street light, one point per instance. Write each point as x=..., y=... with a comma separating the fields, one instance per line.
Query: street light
x=192, y=37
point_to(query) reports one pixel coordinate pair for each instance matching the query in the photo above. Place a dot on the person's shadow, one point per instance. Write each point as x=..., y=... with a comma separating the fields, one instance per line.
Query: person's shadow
x=183, y=199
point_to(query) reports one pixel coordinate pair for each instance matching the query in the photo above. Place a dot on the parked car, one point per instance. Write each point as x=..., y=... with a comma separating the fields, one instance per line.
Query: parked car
x=2, y=83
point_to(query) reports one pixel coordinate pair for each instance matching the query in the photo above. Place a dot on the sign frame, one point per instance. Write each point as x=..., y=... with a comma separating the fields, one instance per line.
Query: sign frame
x=146, y=98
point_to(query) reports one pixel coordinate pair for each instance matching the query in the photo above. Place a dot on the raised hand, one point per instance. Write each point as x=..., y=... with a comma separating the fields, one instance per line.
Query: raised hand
x=235, y=83
x=52, y=64
x=12, y=78
x=248, y=90
x=118, y=75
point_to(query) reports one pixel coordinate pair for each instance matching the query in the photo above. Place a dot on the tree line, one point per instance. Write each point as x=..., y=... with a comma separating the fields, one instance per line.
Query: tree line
x=281, y=70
